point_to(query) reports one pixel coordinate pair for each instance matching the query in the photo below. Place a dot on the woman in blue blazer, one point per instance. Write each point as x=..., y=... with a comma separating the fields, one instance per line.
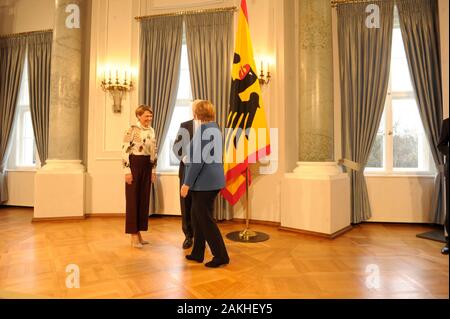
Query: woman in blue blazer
x=204, y=178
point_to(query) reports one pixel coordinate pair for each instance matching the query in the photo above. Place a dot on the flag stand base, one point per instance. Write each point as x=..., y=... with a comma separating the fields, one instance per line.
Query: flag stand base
x=248, y=236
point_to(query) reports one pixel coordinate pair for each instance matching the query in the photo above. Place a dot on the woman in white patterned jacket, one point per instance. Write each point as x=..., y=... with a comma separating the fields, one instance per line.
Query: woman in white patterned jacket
x=139, y=157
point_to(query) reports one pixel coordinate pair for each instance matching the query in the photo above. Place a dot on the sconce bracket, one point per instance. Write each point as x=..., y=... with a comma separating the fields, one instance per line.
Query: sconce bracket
x=117, y=91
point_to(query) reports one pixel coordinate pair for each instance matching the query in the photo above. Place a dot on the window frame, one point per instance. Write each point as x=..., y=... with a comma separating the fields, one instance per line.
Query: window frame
x=388, y=168
x=164, y=164
x=17, y=138
x=20, y=139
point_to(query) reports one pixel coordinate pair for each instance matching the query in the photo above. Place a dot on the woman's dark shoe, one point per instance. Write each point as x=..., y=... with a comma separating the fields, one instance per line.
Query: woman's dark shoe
x=216, y=264
x=190, y=257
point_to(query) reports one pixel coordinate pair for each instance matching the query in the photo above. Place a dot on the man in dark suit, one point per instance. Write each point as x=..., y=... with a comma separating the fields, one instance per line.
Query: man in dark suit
x=443, y=147
x=180, y=149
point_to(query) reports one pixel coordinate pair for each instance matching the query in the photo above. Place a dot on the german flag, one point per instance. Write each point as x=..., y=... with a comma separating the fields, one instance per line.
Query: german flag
x=247, y=136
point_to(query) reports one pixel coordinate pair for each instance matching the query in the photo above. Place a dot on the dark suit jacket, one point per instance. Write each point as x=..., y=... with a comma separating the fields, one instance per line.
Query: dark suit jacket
x=180, y=152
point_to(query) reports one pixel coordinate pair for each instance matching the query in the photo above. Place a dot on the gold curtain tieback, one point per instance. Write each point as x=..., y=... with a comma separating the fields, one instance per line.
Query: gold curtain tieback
x=350, y=164
x=441, y=168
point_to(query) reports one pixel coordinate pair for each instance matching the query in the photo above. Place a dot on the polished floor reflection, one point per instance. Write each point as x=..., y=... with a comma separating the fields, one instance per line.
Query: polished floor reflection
x=370, y=261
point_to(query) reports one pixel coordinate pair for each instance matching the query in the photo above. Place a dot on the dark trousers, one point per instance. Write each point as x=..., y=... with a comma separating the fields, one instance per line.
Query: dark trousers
x=447, y=199
x=205, y=228
x=186, y=214
x=138, y=195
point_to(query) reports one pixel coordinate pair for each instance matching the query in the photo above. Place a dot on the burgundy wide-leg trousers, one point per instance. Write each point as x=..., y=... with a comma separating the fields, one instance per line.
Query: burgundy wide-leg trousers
x=138, y=194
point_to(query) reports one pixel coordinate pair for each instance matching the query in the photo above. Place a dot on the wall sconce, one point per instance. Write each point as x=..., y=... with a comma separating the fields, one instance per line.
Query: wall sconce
x=117, y=89
x=264, y=79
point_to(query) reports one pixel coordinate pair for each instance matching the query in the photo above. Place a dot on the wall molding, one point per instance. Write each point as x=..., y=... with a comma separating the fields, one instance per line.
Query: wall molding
x=58, y=219
x=255, y=222
x=162, y=5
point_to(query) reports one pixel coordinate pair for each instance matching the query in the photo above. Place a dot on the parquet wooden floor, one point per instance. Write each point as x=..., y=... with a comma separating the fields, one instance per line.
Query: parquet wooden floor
x=34, y=256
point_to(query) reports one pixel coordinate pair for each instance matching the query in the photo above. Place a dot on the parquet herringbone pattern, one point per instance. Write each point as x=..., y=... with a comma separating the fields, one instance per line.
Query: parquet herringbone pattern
x=34, y=256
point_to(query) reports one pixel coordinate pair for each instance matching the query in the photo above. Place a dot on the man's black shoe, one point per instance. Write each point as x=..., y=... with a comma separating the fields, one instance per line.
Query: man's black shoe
x=190, y=257
x=216, y=264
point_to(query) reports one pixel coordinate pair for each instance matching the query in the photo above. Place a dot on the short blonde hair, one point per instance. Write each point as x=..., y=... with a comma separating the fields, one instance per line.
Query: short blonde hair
x=142, y=109
x=204, y=110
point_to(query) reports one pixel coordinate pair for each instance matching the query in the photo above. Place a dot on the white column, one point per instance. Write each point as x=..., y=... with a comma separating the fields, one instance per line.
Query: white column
x=316, y=196
x=60, y=184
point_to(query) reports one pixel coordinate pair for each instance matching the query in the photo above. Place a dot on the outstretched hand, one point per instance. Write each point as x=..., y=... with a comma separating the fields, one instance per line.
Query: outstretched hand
x=184, y=191
x=129, y=179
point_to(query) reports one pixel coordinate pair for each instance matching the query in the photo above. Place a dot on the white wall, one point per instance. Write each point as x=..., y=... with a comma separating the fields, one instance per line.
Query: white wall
x=20, y=188
x=26, y=15
x=266, y=19
x=114, y=40
x=111, y=42
x=18, y=16
x=400, y=198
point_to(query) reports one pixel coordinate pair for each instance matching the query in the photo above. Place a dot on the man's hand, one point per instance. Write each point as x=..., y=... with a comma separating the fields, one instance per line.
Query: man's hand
x=153, y=177
x=129, y=179
x=184, y=191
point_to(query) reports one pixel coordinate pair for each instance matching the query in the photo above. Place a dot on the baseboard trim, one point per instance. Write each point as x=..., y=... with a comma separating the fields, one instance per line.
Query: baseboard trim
x=317, y=234
x=123, y=215
x=394, y=223
x=58, y=219
x=105, y=215
x=255, y=222
x=234, y=221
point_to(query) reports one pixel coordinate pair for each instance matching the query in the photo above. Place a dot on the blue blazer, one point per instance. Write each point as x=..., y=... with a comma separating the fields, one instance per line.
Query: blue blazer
x=204, y=165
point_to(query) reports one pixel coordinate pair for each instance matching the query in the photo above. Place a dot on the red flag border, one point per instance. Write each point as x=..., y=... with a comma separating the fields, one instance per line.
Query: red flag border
x=238, y=169
x=244, y=9
x=234, y=198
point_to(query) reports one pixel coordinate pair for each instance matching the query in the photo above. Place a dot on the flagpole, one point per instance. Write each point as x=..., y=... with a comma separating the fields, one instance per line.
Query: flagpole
x=247, y=234
x=247, y=202
x=243, y=76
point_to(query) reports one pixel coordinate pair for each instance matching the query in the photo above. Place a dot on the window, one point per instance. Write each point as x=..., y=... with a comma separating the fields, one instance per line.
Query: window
x=167, y=161
x=23, y=153
x=401, y=145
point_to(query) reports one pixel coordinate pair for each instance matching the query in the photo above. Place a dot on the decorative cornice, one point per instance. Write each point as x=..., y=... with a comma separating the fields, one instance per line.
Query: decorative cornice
x=23, y=34
x=188, y=12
